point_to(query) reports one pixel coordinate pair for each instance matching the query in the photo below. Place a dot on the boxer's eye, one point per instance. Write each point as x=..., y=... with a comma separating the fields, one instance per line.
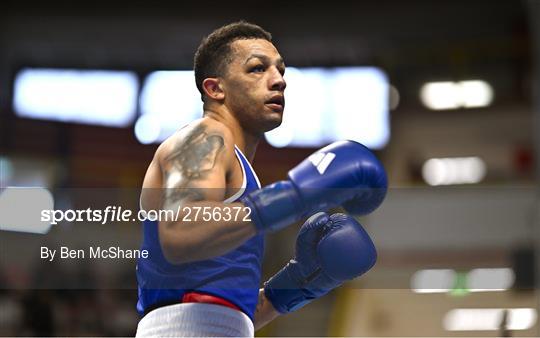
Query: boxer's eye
x=257, y=69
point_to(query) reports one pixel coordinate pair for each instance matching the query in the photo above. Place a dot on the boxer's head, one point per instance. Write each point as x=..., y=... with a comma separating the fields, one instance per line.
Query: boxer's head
x=239, y=68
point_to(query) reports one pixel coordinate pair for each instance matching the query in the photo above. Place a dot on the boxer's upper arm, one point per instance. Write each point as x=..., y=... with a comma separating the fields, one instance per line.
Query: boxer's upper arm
x=195, y=166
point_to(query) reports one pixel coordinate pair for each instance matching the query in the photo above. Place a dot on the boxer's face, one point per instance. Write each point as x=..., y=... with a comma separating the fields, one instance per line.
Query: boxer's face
x=254, y=84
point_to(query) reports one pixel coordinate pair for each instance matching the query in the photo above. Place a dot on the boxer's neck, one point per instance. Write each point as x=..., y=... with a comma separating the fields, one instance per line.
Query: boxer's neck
x=247, y=142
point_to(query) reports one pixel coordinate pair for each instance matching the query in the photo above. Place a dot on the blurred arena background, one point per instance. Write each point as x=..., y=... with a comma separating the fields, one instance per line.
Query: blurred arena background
x=447, y=93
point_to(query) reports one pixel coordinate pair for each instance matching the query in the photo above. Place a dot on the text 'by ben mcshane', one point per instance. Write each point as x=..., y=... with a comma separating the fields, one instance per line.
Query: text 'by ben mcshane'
x=92, y=252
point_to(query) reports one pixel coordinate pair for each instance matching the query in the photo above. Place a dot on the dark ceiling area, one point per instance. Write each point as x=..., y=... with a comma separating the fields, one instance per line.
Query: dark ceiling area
x=413, y=41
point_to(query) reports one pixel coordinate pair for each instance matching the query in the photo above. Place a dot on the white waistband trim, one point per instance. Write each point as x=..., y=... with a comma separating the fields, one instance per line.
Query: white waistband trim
x=195, y=320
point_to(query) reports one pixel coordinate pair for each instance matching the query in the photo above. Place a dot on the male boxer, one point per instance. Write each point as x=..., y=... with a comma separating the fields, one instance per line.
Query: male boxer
x=203, y=274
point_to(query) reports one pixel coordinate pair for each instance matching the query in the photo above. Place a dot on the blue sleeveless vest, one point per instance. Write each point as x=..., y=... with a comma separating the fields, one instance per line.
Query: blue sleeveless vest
x=234, y=276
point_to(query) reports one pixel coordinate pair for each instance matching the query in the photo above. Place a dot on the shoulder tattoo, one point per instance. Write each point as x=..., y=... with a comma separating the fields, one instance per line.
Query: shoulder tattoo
x=192, y=158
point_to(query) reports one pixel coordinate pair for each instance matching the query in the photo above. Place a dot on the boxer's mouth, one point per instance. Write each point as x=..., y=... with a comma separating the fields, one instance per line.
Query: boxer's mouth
x=276, y=102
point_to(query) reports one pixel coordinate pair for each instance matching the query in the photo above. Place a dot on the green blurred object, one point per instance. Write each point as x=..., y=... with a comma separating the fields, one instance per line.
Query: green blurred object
x=460, y=285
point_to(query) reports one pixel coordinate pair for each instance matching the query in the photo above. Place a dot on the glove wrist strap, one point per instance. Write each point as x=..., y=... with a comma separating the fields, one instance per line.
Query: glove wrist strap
x=274, y=207
x=285, y=291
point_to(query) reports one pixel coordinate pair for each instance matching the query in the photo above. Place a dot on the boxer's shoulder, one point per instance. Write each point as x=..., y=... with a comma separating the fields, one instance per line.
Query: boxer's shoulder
x=201, y=139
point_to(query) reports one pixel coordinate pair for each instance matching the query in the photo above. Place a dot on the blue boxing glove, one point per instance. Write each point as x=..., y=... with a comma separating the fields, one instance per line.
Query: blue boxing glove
x=329, y=251
x=343, y=173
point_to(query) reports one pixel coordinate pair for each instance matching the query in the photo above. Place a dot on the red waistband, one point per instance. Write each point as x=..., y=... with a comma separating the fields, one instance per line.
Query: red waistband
x=196, y=297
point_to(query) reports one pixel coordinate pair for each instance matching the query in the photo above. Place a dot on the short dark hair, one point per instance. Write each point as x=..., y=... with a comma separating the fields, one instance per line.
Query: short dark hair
x=215, y=53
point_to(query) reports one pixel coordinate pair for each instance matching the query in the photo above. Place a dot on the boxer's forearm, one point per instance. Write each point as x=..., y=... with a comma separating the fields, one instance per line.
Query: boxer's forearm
x=203, y=230
x=265, y=311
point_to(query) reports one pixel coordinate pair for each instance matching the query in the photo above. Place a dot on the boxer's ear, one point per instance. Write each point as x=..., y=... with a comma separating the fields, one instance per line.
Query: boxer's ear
x=213, y=88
